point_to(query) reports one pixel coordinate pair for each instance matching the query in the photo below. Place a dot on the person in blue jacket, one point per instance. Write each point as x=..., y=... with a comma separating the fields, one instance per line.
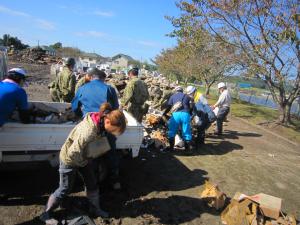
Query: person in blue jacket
x=92, y=95
x=13, y=96
x=89, y=98
x=180, y=106
x=203, y=115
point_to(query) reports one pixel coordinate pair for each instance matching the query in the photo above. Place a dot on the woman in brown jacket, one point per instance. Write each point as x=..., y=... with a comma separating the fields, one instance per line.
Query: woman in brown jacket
x=73, y=156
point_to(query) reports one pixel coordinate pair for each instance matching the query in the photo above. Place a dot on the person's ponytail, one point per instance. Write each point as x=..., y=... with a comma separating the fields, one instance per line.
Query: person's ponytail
x=105, y=108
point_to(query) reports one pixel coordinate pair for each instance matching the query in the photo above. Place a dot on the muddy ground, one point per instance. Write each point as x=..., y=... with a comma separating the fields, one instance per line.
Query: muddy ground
x=163, y=188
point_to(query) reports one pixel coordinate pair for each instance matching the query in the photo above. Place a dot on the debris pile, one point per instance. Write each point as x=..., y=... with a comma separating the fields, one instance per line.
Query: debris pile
x=213, y=196
x=259, y=209
x=160, y=139
x=41, y=113
x=33, y=55
x=153, y=119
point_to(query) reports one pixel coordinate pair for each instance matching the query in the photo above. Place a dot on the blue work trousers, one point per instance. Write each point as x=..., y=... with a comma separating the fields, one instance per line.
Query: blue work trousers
x=182, y=119
x=67, y=176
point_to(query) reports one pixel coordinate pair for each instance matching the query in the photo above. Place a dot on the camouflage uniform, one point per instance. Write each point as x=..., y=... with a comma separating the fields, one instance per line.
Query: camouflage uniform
x=80, y=83
x=135, y=96
x=65, y=85
x=156, y=93
x=162, y=103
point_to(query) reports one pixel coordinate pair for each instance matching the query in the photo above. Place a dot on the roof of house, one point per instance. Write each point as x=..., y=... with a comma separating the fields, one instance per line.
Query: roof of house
x=122, y=55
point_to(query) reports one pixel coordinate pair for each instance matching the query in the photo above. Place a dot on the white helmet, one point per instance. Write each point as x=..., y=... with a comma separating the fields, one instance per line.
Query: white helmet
x=18, y=71
x=190, y=90
x=221, y=85
x=179, y=88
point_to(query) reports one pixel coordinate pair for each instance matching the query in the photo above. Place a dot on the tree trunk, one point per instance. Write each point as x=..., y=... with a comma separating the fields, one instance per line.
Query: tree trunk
x=282, y=113
x=288, y=112
x=285, y=113
x=185, y=81
x=207, y=90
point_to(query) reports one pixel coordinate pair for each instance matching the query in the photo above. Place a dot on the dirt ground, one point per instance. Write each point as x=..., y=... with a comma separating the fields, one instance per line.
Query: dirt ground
x=163, y=188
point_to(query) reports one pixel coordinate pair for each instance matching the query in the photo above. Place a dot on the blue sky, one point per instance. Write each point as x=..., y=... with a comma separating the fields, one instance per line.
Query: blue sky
x=106, y=27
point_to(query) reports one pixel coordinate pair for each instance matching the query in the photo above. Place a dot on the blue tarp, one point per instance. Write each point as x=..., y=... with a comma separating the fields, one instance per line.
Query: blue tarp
x=244, y=85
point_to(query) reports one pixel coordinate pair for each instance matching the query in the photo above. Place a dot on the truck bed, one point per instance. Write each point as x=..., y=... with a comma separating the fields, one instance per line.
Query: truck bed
x=24, y=140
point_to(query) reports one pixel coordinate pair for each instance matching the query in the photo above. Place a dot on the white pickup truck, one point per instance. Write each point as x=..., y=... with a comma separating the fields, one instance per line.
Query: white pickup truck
x=42, y=142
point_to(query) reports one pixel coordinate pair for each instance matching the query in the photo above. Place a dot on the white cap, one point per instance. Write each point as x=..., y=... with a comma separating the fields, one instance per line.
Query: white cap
x=190, y=90
x=220, y=85
x=18, y=71
x=178, y=88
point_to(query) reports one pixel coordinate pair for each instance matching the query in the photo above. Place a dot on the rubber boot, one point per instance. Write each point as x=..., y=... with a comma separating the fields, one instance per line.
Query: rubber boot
x=172, y=143
x=93, y=198
x=52, y=203
x=187, y=146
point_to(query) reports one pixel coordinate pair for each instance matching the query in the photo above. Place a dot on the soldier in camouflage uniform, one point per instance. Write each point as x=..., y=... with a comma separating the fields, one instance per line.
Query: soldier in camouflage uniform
x=156, y=92
x=83, y=80
x=135, y=96
x=166, y=94
x=63, y=88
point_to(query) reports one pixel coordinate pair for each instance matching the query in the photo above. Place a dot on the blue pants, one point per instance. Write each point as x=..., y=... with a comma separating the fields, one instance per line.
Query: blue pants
x=67, y=176
x=182, y=119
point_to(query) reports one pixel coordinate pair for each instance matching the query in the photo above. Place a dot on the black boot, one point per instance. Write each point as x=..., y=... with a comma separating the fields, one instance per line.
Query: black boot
x=93, y=197
x=172, y=143
x=187, y=146
x=46, y=217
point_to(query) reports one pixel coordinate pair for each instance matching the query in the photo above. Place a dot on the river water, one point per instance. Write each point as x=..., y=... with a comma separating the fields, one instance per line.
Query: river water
x=264, y=101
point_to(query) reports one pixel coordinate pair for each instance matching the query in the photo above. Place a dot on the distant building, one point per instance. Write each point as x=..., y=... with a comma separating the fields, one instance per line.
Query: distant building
x=89, y=59
x=48, y=50
x=120, y=61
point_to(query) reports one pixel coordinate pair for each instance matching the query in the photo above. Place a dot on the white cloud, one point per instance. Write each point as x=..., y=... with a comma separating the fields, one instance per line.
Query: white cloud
x=148, y=43
x=103, y=13
x=12, y=12
x=44, y=24
x=40, y=23
x=95, y=34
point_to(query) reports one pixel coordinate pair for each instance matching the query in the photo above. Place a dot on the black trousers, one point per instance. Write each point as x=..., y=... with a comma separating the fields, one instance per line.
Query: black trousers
x=223, y=112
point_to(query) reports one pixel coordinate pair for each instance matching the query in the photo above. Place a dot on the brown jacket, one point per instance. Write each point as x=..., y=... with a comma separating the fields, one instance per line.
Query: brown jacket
x=73, y=152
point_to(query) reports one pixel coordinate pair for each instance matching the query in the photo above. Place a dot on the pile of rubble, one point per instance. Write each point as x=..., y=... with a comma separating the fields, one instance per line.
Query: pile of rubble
x=259, y=209
x=41, y=113
x=33, y=55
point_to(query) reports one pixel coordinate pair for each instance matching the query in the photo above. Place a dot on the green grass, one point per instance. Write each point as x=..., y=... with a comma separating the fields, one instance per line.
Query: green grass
x=260, y=115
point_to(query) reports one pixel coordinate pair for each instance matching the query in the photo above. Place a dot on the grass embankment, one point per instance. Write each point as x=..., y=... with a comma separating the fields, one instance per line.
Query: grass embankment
x=262, y=116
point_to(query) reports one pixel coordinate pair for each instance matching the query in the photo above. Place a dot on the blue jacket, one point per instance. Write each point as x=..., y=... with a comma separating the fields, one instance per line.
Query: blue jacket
x=200, y=107
x=12, y=97
x=92, y=95
x=180, y=97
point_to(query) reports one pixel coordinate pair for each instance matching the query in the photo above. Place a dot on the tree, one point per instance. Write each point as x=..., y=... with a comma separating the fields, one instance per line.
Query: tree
x=9, y=41
x=57, y=45
x=198, y=54
x=69, y=52
x=264, y=33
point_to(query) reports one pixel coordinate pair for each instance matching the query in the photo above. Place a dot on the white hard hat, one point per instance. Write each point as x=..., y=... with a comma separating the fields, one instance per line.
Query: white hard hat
x=190, y=90
x=178, y=88
x=220, y=85
x=18, y=71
